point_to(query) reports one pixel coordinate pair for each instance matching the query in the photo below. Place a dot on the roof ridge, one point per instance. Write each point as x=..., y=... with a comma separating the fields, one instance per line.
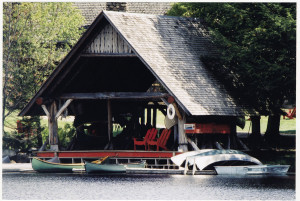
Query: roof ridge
x=154, y=15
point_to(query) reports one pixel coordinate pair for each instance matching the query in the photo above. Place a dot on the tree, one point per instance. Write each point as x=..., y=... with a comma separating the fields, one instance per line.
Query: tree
x=36, y=36
x=257, y=51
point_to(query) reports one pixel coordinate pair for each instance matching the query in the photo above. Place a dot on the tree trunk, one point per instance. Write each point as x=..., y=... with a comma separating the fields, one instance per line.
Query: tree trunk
x=272, y=133
x=233, y=137
x=5, y=70
x=255, y=137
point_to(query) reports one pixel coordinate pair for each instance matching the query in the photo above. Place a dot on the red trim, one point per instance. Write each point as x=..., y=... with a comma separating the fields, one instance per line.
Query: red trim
x=119, y=154
x=209, y=128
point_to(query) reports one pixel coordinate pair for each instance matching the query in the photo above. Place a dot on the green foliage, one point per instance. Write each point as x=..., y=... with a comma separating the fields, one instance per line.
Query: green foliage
x=36, y=36
x=26, y=137
x=257, y=49
x=66, y=134
x=16, y=141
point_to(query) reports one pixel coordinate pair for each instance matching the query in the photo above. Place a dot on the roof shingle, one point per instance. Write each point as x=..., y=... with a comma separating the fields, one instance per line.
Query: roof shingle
x=171, y=48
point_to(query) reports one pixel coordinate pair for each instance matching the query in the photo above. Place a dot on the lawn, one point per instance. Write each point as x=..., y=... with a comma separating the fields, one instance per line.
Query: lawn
x=11, y=121
x=286, y=125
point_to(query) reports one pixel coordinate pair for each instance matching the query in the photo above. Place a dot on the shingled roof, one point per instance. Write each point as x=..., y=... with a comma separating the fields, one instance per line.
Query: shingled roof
x=90, y=10
x=170, y=47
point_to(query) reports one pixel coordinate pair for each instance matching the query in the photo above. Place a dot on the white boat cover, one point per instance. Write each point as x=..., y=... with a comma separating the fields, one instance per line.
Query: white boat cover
x=204, y=158
x=179, y=159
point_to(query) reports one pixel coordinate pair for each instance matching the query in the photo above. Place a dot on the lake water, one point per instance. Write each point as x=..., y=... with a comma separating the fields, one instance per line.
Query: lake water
x=37, y=186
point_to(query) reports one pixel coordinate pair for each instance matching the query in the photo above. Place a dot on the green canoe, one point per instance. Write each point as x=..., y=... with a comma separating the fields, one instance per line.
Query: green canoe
x=104, y=167
x=40, y=165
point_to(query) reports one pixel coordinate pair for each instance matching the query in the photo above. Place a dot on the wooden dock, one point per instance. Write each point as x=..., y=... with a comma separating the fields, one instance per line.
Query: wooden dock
x=26, y=167
x=17, y=167
x=167, y=171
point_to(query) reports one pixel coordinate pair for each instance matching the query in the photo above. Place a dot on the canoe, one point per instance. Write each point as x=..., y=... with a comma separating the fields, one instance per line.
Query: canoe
x=104, y=168
x=40, y=165
x=141, y=164
x=253, y=169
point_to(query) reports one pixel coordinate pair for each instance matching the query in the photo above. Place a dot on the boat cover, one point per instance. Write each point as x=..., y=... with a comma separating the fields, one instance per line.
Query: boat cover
x=204, y=158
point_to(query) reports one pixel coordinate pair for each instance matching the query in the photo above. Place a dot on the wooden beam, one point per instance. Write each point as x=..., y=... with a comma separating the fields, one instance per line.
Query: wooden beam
x=148, y=116
x=109, y=120
x=182, y=141
x=46, y=111
x=114, y=95
x=165, y=101
x=161, y=108
x=74, y=53
x=154, y=117
x=65, y=105
x=52, y=125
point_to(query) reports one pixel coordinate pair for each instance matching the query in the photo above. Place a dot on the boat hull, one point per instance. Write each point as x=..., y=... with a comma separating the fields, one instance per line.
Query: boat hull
x=252, y=169
x=104, y=168
x=45, y=166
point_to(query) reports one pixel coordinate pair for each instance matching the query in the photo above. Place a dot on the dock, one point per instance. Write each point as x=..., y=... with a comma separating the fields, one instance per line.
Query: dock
x=167, y=171
x=26, y=167
x=16, y=167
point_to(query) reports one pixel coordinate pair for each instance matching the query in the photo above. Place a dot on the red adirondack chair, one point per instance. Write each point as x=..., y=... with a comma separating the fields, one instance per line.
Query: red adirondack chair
x=161, y=141
x=150, y=135
x=291, y=114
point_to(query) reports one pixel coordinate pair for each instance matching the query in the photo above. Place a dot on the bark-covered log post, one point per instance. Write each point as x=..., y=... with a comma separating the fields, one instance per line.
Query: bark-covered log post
x=53, y=114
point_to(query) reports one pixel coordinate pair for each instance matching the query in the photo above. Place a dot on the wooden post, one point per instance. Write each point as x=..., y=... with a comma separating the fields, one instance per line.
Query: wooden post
x=148, y=115
x=52, y=124
x=182, y=141
x=52, y=115
x=109, y=120
x=154, y=117
x=176, y=134
x=143, y=116
x=65, y=105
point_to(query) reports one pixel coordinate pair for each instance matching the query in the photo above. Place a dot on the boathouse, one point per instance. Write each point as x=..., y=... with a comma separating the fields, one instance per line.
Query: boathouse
x=125, y=69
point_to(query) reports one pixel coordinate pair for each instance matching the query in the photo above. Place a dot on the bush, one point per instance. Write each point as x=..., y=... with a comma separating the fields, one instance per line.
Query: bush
x=65, y=135
x=20, y=142
x=26, y=136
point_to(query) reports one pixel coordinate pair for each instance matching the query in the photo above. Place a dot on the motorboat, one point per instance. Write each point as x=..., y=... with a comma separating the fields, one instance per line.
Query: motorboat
x=253, y=169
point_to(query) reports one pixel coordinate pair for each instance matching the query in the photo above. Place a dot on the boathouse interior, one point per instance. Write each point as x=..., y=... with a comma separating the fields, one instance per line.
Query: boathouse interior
x=124, y=71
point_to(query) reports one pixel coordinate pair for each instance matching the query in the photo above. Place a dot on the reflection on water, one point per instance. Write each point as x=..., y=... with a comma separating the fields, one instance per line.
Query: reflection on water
x=136, y=187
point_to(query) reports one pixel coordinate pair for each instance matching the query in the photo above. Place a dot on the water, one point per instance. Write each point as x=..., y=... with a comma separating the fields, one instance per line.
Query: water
x=35, y=186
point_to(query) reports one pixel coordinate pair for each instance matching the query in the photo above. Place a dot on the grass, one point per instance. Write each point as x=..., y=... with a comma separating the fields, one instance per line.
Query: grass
x=287, y=126
x=10, y=123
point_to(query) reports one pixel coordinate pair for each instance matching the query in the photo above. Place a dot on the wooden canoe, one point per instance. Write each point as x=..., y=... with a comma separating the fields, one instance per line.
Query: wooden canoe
x=104, y=168
x=40, y=165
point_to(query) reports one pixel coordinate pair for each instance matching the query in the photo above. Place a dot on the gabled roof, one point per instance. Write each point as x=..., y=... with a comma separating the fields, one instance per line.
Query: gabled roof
x=90, y=10
x=170, y=47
